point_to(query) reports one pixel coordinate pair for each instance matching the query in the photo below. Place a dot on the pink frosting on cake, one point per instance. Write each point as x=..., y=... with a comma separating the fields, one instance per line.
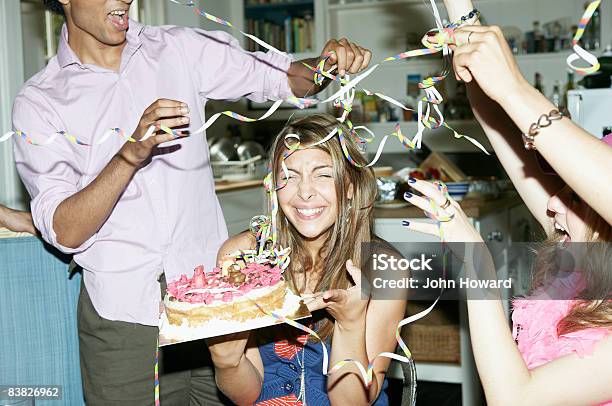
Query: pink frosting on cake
x=213, y=287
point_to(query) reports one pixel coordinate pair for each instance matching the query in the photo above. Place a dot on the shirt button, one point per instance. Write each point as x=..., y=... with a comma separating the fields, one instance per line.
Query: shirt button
x=293, y=367
x=288, y=387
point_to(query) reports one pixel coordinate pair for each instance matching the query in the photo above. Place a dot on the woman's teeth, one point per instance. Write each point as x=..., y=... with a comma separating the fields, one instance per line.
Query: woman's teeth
x=559, y=227
x=310, y=212
x=118, y=13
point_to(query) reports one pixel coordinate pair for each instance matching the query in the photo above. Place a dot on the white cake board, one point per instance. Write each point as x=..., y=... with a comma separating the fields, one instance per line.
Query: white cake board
x=293, y=308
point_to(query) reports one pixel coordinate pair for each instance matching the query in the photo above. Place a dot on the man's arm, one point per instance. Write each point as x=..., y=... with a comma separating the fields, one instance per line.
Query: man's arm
x=67, y=217
x=222, y=70
x=80, y=216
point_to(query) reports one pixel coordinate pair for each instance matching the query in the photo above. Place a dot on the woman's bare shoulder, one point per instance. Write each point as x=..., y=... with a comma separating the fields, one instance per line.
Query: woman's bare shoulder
x=243, y=241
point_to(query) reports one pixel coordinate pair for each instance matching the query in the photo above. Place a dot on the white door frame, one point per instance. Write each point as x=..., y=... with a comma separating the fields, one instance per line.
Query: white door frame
x=11, y=80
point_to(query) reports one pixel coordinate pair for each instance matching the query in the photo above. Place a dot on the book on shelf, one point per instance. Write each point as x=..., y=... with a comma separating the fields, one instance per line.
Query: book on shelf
x=295, y=35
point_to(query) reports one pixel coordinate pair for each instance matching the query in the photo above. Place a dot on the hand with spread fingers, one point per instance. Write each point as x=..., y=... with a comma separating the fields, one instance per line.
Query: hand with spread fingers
x=481, y=53
x=163, y=112
x=346, y=306
x=453, y=222
x=347, y=56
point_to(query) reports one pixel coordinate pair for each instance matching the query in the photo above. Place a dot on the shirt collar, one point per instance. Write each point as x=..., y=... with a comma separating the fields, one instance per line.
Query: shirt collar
x=66, y=56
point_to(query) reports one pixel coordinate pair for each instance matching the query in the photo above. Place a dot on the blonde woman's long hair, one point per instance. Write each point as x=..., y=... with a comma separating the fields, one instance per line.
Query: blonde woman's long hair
x=355, y=216
x=593, y=307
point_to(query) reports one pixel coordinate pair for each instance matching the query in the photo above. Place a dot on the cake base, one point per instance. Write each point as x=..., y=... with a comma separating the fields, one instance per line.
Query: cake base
x=241, y=309
x=292, y=308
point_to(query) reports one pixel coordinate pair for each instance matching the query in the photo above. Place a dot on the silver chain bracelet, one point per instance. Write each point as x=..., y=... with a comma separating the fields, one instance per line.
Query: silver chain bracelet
x=544, y=121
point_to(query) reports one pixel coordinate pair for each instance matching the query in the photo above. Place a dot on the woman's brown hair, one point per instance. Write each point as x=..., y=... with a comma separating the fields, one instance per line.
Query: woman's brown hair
x=593, y=307
x=355, y=214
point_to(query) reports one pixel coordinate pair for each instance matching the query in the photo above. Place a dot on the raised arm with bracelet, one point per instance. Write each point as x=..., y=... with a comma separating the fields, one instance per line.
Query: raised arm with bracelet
x=506, y=106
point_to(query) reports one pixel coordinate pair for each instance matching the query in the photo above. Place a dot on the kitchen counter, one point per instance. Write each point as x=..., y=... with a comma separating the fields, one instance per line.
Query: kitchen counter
x=474, y=208
x=227, y=186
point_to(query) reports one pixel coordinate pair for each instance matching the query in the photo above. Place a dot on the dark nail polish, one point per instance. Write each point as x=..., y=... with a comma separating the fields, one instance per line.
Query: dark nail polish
x=407, y=195
x=405, y=223
x=411, y=180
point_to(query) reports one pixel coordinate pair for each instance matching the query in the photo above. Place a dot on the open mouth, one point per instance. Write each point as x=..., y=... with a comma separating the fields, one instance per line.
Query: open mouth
x=566, y=239
x=119, y=19
x=309, y=214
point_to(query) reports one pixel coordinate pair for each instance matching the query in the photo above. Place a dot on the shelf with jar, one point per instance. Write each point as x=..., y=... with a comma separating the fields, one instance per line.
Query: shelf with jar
x=292, y=26
x=440, y=140
x=540, y=33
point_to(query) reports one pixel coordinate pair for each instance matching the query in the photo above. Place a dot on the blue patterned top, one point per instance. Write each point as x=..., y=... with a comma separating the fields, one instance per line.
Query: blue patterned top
x=282, y=374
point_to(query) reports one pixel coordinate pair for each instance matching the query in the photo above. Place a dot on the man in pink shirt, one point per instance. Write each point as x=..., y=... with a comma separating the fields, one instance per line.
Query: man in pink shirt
x=133, y=213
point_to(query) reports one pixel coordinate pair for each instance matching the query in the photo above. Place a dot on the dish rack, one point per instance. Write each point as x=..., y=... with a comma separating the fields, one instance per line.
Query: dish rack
x=239, y=170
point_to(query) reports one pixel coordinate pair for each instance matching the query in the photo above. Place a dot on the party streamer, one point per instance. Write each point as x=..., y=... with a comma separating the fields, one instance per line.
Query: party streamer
x=431, y=94
x=580, y=52
x=156, y=397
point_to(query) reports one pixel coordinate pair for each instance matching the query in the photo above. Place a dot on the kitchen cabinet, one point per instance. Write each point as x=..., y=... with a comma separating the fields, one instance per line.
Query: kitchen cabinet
x=239, y=207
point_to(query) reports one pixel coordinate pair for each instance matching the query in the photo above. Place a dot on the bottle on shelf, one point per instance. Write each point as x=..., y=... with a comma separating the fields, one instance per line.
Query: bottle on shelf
x=555, y=97
x=538, y=82
x=539, y=42
x=592, y=33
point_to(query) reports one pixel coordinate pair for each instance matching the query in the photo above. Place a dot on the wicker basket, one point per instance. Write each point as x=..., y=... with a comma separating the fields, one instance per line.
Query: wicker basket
x=435, y=337
x=433, y=343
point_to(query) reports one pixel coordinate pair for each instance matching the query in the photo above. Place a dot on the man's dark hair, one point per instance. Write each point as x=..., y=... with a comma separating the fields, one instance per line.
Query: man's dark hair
x=54, y=6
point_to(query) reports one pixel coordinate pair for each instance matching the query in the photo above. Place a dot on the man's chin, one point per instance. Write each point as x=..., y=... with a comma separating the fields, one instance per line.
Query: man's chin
x=115, y=40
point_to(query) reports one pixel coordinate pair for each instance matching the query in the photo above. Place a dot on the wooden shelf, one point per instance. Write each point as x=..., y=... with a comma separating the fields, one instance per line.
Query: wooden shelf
x=440, y=140
x=279, y=6
x=356, y=5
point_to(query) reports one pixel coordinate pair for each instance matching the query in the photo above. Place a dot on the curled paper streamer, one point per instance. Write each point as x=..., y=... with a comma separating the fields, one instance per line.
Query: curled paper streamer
x=579, y=52
x=267, y=250
x=366, y=372
x=156, y=397
x=435, y=41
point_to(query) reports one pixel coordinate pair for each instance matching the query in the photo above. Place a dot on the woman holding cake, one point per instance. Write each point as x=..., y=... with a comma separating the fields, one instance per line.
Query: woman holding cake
x=326, y=208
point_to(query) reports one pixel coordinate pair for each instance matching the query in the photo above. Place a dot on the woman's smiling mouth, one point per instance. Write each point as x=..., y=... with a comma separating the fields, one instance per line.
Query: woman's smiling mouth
x=310, y=213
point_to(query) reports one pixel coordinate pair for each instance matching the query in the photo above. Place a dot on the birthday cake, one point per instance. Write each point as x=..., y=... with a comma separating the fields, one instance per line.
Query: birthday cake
x=226, y=293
